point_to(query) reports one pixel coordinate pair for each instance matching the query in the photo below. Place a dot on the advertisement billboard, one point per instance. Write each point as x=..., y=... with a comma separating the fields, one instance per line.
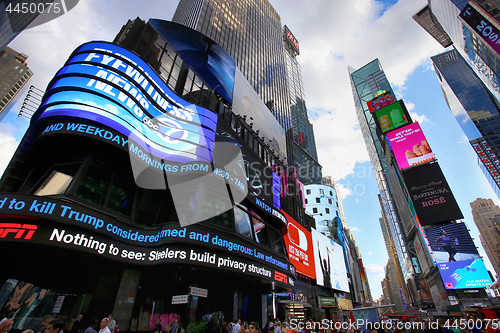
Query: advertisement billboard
x=383, y=99
x=410, y=146
x=431, y=195
x=468, y=274
x=477, y=20
x=299, y=245
x=329, y=262
x=451, y=242
x=391, y=117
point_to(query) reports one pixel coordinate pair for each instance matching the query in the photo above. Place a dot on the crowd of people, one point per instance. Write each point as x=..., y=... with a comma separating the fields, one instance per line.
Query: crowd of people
x=49, y=324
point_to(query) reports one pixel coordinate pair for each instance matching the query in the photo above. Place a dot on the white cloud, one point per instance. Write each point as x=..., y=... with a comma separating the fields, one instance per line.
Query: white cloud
x=370, y=253
x=419, y=118
x=8, y=144
x=376, y=271
x=463, y=139
x=355, y=229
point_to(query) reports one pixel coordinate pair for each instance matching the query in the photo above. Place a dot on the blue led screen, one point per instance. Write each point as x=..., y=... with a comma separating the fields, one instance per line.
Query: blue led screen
x=106, y=83
x=467, y=274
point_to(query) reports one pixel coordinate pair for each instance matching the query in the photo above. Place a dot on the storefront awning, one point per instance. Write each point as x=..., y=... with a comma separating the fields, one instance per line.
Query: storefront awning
x=287, y=301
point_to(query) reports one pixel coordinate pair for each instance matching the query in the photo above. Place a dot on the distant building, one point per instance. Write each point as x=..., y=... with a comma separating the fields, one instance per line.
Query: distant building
x=322, y=204
x=14, y=75
x=486, y=215
x=12, y=22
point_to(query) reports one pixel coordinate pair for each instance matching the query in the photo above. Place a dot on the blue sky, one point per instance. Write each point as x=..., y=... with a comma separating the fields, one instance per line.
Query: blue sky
x=333, y=34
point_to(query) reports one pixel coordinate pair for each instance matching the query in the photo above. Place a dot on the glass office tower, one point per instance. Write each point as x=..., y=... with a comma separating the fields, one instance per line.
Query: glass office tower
x=475, y=109
x=250, y=31
x=304, y=147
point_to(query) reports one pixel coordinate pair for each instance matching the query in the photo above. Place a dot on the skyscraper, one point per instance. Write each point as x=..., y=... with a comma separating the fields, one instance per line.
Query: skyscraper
x=14, y=75
x=251, y=32
x=475, y=109
x=487, y=218
x=470, y=73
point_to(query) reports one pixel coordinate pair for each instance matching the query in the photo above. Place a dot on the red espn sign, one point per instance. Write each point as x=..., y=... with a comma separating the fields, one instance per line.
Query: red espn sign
x=17, y=229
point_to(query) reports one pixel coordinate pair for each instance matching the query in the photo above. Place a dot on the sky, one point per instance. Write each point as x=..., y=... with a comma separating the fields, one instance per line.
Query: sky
x=332, y=35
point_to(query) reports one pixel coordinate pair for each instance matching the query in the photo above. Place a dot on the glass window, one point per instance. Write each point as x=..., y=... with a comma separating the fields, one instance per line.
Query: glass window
x=315, y=210
x=330, y=201
x=267, y=235
x=308, y=191
x=331, y=193
x=318, y=200
x=306, y=201
x=327, y=210
x=320, y=191
x=58, y=179
x=94, y=186
x=242, y=222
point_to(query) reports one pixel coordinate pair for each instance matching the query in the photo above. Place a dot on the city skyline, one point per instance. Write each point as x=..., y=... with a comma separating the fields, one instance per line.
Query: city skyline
x=405, y=57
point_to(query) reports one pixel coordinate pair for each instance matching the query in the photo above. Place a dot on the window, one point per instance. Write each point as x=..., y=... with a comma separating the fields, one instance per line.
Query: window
x=330, y=201
x=308, y=191
x=58, y=179
x=331, y=193
x=318, y=200
x=327, y=210
x=306, y=201
x=315, y=210
x=242, y=222
x=267, y=235
x=321, y=191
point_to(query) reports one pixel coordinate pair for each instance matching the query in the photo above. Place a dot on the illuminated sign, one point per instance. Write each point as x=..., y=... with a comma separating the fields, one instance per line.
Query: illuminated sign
x=74, y=215
x=291, y=40
x=108, y=84
x=410, y=146
x=298, y=242
x=381, y=100
x=479, y=22
x=17, y=229
x=451, y=242
x=344, y=304
x=467, y=274
x=431, y=195
x=391, y=117
x=329, y=262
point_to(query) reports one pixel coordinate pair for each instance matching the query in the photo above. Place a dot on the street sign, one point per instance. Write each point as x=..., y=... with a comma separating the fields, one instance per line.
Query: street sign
x=180, y=299
x=198, y=292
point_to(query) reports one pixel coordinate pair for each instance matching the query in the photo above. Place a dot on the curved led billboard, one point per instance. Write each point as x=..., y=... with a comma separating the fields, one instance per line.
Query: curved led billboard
x=108, y=84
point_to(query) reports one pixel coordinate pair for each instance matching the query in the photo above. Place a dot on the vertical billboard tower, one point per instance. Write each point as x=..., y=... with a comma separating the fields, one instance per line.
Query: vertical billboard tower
x=366, y=82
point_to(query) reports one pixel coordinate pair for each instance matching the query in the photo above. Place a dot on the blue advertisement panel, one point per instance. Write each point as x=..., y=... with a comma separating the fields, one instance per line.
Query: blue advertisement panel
x=106, y=83
x=468, y=274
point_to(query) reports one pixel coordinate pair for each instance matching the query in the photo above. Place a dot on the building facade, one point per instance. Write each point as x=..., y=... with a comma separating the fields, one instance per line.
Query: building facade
x=487, y=218
x=251, y=32
x=322, y=204
x=14, y=75
x=113, y=182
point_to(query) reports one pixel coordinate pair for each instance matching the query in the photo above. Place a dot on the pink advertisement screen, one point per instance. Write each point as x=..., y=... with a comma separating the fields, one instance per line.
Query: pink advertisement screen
x=410, y=146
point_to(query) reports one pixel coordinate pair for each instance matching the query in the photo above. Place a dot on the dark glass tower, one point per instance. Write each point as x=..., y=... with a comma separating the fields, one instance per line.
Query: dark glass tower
x=475, y=109
x=250, y=31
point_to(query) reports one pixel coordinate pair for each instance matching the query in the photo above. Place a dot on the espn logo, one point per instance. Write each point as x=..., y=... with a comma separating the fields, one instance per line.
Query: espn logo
x=278, y=276
x=18, y=229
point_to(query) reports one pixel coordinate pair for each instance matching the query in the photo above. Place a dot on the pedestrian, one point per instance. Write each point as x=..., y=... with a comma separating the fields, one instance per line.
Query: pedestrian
x=237, y=326
x=104, y=326
x=224, y=328
x=175, y=326
x=92, y=328
x=6, y=326
x=253, y=327
x=40, y=328
x=111, y=323
x=78, y=324
x=56, y=326
x=158, y=327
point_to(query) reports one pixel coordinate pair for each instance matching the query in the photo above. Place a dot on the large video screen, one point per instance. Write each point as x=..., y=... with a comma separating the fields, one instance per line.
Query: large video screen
x=329, y=262
x=410, y=146
x=392, y=116
x=431, y=195
x=468, y=274
x=299, y=245
x=451, y=242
